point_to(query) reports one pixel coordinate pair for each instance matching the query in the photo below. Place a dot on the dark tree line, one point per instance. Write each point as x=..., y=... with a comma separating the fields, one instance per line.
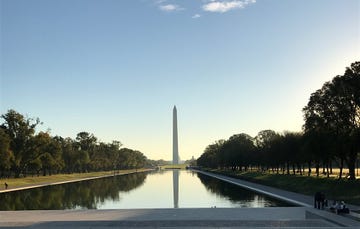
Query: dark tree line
x=23, y=151
x=267, y=151
x=331, y=136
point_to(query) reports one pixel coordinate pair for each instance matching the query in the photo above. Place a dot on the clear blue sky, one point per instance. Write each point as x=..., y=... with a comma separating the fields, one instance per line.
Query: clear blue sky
x=116, y=68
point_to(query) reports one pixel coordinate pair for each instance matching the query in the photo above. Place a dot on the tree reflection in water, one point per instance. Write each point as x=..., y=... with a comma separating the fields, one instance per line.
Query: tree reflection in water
x=237, y=195
x=78, y=195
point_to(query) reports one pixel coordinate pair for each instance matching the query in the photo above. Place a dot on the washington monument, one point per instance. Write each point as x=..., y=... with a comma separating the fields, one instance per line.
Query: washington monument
x=175, y=138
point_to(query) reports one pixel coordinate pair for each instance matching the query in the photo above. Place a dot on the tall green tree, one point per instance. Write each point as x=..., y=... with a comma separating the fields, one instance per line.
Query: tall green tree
x=264, y=144
x=237, y=151
x=6, y=155
x=211, y=157
x=334, y=110
x=50, y=153
x=86, y=150
x=291, y=151
x=130, y=159
x=86, y=141
x=347, y=91
x=69, y=150
x=21, y=131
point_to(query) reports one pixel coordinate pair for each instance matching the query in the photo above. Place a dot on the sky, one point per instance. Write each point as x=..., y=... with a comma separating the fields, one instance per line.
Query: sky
x=116, y=68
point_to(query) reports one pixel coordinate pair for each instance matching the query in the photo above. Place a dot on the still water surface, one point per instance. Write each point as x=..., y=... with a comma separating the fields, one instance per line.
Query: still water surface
x=160, y=189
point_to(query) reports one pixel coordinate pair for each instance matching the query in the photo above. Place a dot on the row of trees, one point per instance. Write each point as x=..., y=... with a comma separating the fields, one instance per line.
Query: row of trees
x=23, y=151
x=331, y=135
x=268, y=150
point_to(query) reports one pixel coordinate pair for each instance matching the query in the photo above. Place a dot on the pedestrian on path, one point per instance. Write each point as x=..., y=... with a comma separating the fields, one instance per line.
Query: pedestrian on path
x=319, y=200
x=6, y=185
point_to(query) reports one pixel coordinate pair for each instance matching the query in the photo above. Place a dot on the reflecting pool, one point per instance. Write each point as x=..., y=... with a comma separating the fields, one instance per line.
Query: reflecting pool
x=158, y=189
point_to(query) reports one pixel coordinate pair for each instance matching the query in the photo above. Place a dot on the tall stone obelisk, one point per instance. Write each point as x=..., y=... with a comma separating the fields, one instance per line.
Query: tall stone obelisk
x=175, y=138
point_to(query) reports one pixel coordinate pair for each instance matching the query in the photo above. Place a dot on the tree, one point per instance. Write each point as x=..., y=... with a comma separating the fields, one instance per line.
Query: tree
x=335, y=109
x=130, y=159
x=86, y=143
x=21, y=132
x=211, y=157
x=105, y=156
x=49, y=151
x=347, y=88
x=291, y=151
x=68, y=149
x=264, y=143
x=23, y=151
x=6, y=155
x=237, y=151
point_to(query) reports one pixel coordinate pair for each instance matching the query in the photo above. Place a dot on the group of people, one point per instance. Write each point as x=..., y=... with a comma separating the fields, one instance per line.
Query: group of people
x=320, y=202
x=339, y=207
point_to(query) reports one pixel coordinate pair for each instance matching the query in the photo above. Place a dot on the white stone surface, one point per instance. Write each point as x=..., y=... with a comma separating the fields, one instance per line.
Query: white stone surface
x=175, y=138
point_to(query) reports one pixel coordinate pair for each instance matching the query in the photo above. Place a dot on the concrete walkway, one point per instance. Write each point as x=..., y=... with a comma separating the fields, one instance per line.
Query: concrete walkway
x=292, y=217
x=291, y=197
x=171, y=214
x=278, y=217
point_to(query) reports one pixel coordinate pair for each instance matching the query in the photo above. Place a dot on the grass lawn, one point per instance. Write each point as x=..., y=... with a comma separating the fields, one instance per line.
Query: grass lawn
x=180, y=166
x=334, y=189
x=35, y=180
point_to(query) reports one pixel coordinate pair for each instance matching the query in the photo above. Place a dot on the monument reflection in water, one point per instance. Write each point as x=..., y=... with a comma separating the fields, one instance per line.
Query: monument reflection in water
x=176, y=188
x=157, y=189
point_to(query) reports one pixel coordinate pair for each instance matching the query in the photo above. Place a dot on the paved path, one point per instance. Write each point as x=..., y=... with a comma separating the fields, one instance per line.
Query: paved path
x=292, y=217
x=291, y=197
